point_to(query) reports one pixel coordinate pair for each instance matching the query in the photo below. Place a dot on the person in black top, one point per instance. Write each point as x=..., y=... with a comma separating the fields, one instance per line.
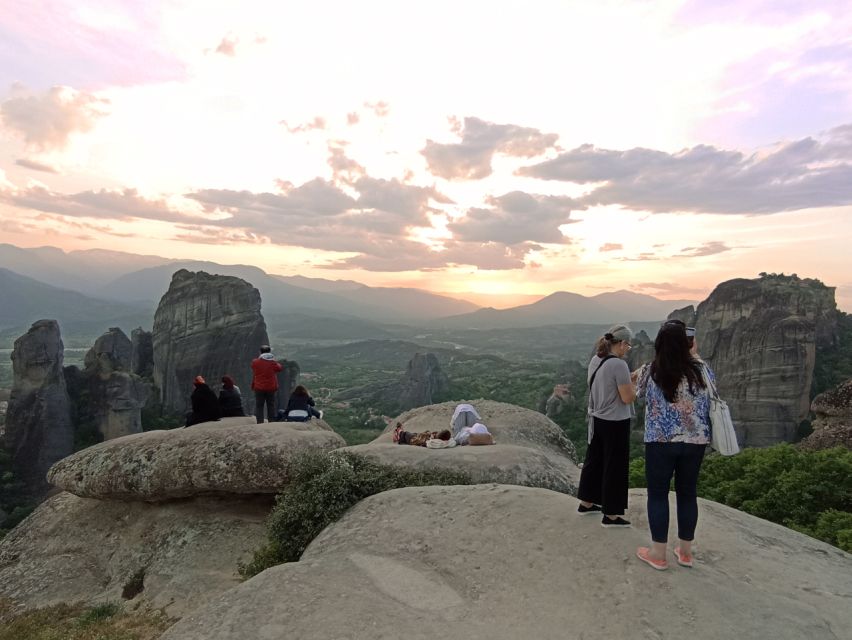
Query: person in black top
x=301, y=406
x=230, y=399
x=205, y=404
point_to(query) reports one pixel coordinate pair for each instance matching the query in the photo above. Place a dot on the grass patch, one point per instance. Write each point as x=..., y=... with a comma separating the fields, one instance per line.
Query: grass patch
x=74, y=622
x=322, y=488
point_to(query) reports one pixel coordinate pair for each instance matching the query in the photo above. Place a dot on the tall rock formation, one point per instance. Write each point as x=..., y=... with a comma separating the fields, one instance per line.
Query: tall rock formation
x=424, y=379
x=205, y=325
x=760, y=337
x=106, y=396
x=38, y=421
x=288, y=378
x=832, y=419
x=642, y=351
x=141, y=352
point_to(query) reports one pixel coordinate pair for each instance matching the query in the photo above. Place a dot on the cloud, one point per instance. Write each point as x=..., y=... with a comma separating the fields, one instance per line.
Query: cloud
x=343, y=168
x=380, y=108
x=227, y=46
x=706, y=249
x=317, y=123
x=516, y=217
x=796, y=175
x=47, y=121
x=35, y=166
x=611, y=246
x=470, y=159
x=352, y=118
x=115, y=205
x=667, y=288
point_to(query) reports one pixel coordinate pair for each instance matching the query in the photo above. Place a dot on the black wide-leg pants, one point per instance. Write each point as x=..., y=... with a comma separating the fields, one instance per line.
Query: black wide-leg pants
x=603, y=480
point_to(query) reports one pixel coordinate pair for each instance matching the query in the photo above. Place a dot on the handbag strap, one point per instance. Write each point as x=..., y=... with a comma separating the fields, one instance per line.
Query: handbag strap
x=604, y=359
x=711, y=386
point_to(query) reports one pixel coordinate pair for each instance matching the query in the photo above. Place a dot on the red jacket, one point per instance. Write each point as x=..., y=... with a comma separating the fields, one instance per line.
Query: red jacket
x=264, y=370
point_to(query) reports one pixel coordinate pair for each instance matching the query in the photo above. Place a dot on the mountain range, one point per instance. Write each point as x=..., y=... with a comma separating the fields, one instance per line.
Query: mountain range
x=105, y=286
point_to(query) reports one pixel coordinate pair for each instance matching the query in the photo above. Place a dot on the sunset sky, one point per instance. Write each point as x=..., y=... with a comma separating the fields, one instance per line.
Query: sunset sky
x=494, y=147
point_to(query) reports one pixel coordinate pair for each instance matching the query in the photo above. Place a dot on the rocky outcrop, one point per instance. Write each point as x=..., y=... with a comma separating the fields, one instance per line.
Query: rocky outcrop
x=232, y=456
x=555, y=403
x=642, y=351
x=38, y=420
x=174, y=556
x=760, y=337
x=141, y=353
x=288, y=378
x=504, y=563
x=205, y=325
x=106, y=395
x=832, y=419
x=531, y=450
x=423, y=380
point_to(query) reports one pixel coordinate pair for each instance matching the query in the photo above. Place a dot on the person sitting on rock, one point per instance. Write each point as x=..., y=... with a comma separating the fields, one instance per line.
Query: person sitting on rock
x=230, y=399
x=205, y=404
x=301, y=406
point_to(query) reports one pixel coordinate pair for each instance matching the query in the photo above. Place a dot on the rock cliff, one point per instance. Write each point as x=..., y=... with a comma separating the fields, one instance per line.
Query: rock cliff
x=642, y=351
x=38, y=420
x=423, y=380
x=505, y=562
x=760, y=337
x=141, y=352
x=832, y=419
x=106, y=396
x=205, y=325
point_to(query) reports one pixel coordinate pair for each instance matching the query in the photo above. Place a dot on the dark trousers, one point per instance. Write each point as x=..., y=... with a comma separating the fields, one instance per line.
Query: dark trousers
x=662, y=461
x=267, y=399
x=603, y=480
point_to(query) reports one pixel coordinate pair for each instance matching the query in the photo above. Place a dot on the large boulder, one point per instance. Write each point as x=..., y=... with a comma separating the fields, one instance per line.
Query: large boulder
x=38, y=419
x=508, y=562
x=531, y=449
x=760, y=337
x=423, y=380
x=832, y=419
x=173, y=556
x=205, y=325
x=235, y=455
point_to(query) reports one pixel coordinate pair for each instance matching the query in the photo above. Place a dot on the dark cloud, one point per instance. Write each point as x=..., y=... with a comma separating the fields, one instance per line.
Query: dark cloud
x=798, y=175
x=470, y=159
x=516, y=217
x=611, y=246
x=35, y=166
x=46, y=121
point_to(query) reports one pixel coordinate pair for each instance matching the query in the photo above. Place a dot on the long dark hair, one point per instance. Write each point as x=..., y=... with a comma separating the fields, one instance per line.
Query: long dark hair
x=673, y=362
x=300, y=391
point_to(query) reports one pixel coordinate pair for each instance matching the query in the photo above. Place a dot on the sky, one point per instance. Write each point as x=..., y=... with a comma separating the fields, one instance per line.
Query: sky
x=511, y=149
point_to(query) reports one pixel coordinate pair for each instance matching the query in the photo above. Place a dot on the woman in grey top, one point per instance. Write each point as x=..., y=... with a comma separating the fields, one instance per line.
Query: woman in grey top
x=603, y=482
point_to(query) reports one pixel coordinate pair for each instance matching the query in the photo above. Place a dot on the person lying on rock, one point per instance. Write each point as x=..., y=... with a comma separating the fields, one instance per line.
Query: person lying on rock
x=205, y=404
x=301, y=406
x=401, y=436
x=230, y=399
x=478, y=434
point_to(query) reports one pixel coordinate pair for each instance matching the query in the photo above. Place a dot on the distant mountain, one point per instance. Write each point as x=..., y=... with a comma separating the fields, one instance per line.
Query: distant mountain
x=320, y=284
x=83, y=271
x=279, y=296
x=25, y=300
x=563, y=307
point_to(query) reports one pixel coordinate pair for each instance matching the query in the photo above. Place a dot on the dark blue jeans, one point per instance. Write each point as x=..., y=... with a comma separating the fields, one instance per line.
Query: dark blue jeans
x=662, y=461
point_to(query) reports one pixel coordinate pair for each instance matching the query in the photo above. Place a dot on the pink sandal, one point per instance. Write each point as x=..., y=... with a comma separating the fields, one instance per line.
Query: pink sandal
x=643, y=553
x=683, y=559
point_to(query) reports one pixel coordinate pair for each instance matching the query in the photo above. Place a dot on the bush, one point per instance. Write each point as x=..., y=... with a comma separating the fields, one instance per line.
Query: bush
x=322, y=488
x=809, y=491
x=98, y=613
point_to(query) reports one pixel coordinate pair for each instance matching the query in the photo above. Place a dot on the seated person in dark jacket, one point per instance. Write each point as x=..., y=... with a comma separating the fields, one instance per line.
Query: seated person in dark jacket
x=301, y=406
x=230, y=399
x=205, y=404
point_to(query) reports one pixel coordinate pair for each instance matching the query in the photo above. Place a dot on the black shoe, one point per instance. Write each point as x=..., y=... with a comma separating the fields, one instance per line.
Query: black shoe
x=587, y=510
x=617, y=523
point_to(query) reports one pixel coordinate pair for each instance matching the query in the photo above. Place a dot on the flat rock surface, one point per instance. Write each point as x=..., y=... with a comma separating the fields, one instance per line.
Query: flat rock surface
x=494, y=562
x=234, y=455
x=80, y=550
x=531, y=449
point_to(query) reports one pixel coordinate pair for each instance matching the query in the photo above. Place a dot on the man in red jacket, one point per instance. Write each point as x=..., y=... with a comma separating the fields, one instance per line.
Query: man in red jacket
x=264, y=383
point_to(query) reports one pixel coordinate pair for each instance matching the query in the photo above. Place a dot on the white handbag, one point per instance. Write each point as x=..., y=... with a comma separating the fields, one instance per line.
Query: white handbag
x=723, y=437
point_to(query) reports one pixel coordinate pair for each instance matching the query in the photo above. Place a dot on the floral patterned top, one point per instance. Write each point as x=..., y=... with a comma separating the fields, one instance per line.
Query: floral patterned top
x=685, y=420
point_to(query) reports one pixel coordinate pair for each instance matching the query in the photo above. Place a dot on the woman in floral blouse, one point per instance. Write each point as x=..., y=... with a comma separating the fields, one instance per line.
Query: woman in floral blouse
x=677, y=431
